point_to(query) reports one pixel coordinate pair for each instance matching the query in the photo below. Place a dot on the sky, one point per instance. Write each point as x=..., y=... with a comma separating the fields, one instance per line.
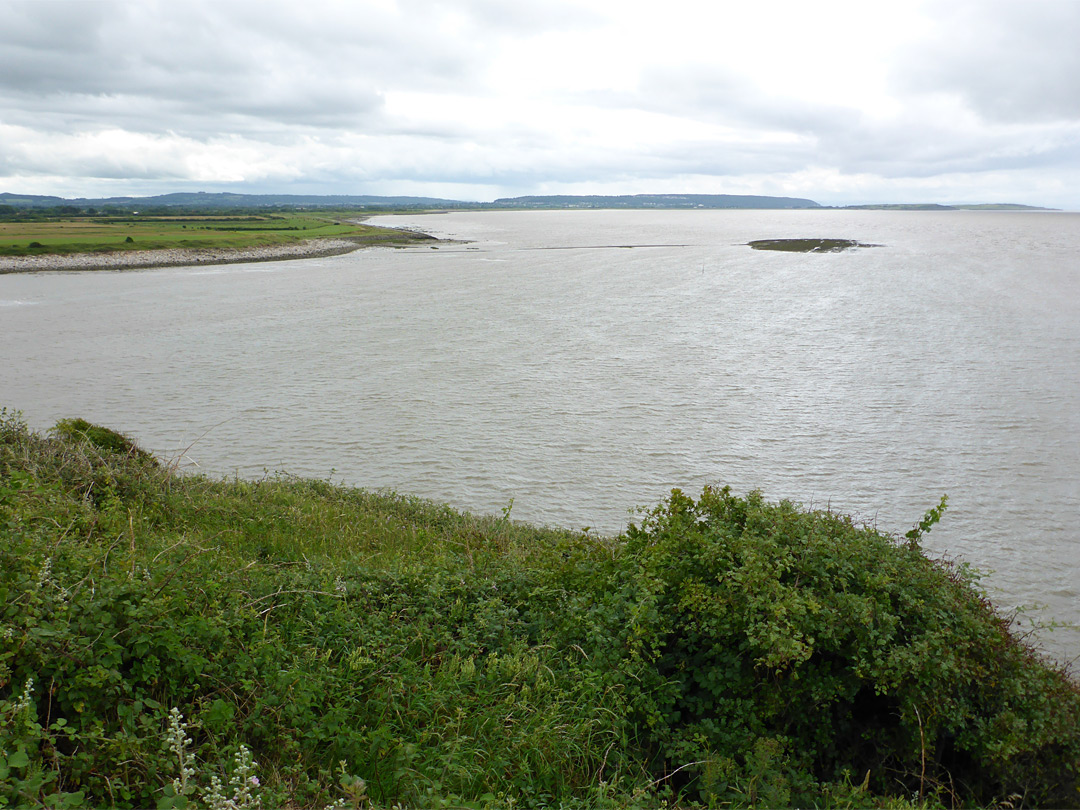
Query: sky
x=948, y=101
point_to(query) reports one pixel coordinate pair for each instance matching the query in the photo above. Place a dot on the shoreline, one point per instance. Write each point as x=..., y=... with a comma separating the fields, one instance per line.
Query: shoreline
x=177, y=257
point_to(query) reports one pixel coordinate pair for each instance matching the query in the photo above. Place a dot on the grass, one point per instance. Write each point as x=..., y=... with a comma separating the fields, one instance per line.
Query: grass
x=376, y=649
x=102, y=234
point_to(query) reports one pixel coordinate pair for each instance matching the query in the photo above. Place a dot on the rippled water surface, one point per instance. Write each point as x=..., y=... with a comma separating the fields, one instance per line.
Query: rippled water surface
x=583, y=363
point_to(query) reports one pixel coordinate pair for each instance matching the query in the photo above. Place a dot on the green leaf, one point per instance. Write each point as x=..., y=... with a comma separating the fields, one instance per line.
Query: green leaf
x=219, y=714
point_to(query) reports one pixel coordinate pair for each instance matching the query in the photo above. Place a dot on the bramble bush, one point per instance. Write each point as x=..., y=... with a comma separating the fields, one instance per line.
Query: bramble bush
x=370, y=649
x=778, y=650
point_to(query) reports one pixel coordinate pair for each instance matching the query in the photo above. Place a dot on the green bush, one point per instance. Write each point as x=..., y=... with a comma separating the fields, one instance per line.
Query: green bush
x=778, y=649
x=102, y=438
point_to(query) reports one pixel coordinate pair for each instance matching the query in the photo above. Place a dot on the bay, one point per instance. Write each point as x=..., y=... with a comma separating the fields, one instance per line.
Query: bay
x=580, y=364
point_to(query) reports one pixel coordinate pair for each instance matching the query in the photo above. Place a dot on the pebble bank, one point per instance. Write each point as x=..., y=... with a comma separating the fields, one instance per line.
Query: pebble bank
x=175, y=257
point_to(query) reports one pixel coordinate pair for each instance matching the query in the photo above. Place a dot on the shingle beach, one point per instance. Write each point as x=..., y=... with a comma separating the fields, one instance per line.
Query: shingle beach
x=139, y=259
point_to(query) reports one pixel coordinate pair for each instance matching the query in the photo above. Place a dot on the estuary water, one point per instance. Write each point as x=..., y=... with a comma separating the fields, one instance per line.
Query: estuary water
x=580, y=364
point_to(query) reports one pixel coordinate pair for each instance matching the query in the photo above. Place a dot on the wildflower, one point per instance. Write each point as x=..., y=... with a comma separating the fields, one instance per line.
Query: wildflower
x=178, y=742
x=242, y=782
x=45, y=574
x=26, y=700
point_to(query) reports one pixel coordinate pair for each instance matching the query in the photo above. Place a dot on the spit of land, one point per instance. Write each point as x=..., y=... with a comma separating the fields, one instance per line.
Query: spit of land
x=130, y=242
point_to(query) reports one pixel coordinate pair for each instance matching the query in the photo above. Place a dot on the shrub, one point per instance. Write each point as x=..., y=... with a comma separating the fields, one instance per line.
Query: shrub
x=102, y=438
x=767, y=650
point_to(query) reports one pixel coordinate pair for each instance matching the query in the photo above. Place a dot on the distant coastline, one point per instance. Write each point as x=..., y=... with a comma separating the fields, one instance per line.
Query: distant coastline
x=237, y=212
x=227, y=201
x=940, y=207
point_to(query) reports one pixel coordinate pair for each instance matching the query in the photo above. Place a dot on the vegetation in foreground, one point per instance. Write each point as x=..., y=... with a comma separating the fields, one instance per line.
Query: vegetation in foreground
x=169, y=640
x=41, y=235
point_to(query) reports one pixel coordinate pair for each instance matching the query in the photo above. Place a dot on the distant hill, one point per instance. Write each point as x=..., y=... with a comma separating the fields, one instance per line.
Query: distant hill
x=226, y=200
x=1003, y=207
x=31, y=200
x=189, y=201
x=655, y=201
x=939, y=207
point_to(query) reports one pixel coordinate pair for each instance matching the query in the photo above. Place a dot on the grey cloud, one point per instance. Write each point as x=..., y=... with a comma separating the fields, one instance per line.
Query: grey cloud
x=920, y=140
x=39, y=25
x=512, y=17
x=723, y=96
x=725, y=160
x=112, y=166
x=526, y=163
x=1010, y=61
x=920, y=144
x=183, y=67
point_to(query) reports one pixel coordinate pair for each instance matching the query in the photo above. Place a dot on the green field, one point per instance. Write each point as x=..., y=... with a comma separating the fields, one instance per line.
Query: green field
x=306, y=643
x=61, y=235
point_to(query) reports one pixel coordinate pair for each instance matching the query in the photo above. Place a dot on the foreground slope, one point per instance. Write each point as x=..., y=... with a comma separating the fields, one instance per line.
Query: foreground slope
x=160, y=630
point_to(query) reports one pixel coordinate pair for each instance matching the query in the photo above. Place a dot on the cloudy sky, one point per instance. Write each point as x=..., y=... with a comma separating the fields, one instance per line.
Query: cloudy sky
x=841, y=102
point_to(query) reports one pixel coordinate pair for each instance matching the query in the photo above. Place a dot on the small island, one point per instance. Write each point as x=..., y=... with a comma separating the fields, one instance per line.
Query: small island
x=808, y=245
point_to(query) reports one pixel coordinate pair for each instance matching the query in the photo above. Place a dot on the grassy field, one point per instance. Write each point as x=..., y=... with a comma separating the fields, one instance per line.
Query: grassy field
x=303, y=643
x=96, y=234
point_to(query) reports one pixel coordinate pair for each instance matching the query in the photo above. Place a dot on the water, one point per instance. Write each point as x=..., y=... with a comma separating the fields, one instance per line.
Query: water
x=546, y=363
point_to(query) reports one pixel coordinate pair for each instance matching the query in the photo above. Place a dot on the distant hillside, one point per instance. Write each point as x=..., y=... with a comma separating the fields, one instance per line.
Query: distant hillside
x=1003, y=207
x=655, y=201
x=31, y=200
x=939, y=207
x=189, y=201
x=225, y=200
